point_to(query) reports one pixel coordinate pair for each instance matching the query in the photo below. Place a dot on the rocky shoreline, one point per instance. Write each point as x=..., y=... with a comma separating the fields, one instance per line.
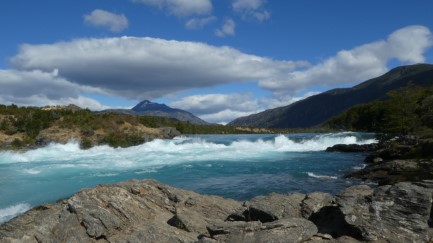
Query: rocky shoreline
x=148, y=211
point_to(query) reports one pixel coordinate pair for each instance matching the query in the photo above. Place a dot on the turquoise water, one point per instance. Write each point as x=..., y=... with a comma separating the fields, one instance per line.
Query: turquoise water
x=234, y=166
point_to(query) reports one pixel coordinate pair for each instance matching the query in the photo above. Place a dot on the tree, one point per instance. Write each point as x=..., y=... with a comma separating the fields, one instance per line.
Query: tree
x=401, y=110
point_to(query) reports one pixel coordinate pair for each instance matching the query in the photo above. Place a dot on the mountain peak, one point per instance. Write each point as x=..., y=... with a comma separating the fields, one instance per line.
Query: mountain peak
x=146, y=102
x=149, y=105
x=149, y=108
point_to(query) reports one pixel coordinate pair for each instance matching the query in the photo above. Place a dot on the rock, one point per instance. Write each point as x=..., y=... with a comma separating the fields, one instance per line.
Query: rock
x=315, y=201
x=224, y=228
x=394, y=171
x=241, y=214
x=169, y=132
x=352, y=148
x=132, y=211
x=275, y=206
x=398, y=213
x=320, y=238
x=283, y=230
x=148, y=211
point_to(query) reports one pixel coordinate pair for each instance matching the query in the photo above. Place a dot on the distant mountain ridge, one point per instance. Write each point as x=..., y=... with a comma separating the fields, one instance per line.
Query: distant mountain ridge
x=148, y=108
x=317, y=109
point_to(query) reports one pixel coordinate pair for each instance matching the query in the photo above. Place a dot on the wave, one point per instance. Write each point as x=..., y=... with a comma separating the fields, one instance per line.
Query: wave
x=360, y=167
x=179, y=150
x=311, y=174
x=12, y=211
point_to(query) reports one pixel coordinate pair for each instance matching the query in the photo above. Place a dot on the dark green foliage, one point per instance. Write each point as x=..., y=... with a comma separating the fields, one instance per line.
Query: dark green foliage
x=367, y=117
x=186, y=127
x=122, y=140
x=407, y=110
x=85, y=143
x=17, y=143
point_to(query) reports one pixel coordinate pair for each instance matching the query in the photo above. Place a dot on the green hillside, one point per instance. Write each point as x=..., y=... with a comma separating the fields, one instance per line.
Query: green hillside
x=407, y=110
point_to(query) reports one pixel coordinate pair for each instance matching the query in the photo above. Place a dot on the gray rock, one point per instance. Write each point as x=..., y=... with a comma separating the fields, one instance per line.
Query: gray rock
x=315, y=201
x=132, y=211
x=394, y=171
x=275, y=206
x=283, y=230
x=398, y=213
x=148, y=211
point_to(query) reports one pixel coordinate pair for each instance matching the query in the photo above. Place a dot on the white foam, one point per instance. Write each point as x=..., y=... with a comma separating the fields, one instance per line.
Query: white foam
x=32, y=171
x=105, y=174
x=12, y=211
x=311, y=174
x=360, y=167
x=166, y=152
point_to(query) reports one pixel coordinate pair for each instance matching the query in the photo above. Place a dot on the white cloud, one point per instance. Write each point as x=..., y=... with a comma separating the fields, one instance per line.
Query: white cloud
x=407, y=45
x=225, y=116
x=139, y=68
x=284, y=100
x=147, y=68
x=198, y=23
x=251, y=9
x=223, y=108
x=102, y=18
x=228, y=28
x=36, y=88
x=181, y=8
x=211, y=103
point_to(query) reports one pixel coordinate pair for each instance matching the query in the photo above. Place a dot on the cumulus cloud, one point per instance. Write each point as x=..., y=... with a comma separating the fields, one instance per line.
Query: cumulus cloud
x=251, y=9
x=37, y=88
x=102, y=18
x=407, y=45
x=181, y=8
x=228, y=28
x=198, y=23
x=148, y=68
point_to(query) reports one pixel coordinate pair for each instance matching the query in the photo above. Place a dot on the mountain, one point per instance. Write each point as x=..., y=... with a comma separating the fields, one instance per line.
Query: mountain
x=148, y=108
x=317, y=109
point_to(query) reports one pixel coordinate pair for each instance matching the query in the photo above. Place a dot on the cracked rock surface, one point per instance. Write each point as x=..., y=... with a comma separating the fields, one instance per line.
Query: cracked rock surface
x=148, y=211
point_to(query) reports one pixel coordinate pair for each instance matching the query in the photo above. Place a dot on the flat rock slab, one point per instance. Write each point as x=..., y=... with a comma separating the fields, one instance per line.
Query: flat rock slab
x=132, y=211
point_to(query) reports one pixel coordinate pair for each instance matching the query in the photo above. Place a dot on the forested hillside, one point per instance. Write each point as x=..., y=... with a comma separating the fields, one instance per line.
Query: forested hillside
x=407, y=110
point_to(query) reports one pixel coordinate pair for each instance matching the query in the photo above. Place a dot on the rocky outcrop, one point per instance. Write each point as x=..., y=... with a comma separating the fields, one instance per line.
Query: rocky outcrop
x=394, y=171
x=352, y=148
x=148, y=211
x=395, y=159
x=132, y=211
x=399, y=213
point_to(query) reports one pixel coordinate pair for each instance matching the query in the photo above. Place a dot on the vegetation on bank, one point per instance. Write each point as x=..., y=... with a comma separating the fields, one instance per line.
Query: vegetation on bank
x=30, y=126
x=407, y=110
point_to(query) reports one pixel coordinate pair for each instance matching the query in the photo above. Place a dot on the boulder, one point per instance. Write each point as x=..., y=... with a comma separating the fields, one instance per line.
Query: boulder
x=315, y=201
x=398, y=213
x=275, y=206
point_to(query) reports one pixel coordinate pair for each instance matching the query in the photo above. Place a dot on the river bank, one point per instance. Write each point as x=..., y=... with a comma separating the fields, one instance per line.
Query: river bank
x=148, y=211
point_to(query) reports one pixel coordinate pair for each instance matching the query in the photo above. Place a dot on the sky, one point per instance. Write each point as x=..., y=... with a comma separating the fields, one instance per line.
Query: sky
x=219, y=59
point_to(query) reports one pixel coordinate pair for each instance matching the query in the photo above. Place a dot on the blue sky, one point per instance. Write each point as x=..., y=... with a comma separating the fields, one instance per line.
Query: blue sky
x=219, y=59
